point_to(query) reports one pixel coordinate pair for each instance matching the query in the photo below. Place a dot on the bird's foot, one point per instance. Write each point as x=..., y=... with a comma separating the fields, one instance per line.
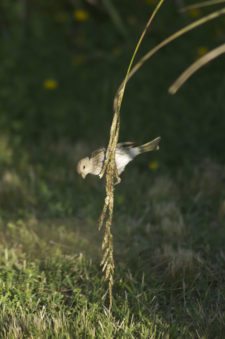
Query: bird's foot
x=117, y=181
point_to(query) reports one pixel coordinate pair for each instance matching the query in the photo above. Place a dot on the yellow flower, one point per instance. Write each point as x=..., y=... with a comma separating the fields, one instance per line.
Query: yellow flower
x=202, y=50
x=81, y=15
x=153, y=165
x=50, y=84
x=194, y=13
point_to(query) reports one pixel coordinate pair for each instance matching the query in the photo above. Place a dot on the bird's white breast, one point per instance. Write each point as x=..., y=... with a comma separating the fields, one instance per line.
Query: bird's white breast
x=123, y=158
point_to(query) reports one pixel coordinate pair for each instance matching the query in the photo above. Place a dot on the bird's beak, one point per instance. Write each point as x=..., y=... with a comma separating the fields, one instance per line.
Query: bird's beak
x=83, y=175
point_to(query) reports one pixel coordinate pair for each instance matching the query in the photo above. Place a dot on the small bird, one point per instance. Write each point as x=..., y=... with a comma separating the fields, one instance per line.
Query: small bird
x=125, y=153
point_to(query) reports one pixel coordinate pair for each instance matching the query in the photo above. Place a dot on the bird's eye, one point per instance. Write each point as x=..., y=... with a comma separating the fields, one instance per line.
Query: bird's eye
x=84, y=167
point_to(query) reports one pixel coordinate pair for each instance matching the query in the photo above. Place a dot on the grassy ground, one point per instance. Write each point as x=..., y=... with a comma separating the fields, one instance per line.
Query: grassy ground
x=169, y=222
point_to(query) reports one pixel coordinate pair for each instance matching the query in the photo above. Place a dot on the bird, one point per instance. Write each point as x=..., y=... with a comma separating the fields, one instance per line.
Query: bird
x=125, y=153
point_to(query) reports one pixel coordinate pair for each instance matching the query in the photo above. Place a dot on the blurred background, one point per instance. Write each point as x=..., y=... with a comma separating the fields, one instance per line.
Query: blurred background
x=60, y=65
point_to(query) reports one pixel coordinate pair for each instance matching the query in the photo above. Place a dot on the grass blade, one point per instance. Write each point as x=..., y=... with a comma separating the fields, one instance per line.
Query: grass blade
x=110, y=170
x=173, y=37
x=202, y=5
x=216, y=52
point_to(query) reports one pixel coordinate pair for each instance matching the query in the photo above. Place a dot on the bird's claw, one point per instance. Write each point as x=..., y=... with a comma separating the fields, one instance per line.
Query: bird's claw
x=118, y=181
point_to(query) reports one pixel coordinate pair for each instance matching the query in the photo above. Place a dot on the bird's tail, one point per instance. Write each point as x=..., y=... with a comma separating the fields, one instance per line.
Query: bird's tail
x=150, y=146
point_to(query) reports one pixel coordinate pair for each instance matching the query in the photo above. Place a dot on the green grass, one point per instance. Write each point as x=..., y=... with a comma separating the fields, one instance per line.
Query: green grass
x=168, y=225
x=169, y=239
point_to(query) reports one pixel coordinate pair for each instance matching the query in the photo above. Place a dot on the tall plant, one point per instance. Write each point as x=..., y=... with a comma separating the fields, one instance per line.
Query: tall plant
x=109, y=168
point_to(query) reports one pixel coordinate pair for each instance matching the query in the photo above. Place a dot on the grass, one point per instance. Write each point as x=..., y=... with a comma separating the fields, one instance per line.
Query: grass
x=169, y=223
x=169, y=280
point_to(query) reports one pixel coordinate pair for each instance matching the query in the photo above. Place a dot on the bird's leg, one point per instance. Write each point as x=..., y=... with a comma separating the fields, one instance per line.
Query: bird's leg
x=117, y=181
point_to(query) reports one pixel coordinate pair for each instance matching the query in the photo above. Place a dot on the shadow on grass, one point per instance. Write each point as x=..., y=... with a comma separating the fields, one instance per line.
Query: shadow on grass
x=173, y=251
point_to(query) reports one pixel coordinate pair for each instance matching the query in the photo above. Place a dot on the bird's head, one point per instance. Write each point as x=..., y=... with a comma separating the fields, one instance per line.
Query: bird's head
x=84, y=167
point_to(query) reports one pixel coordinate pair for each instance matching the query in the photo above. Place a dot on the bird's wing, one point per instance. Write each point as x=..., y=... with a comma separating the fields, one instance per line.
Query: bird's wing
x=98, y=157
x=127, y=149
x=98, y=152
